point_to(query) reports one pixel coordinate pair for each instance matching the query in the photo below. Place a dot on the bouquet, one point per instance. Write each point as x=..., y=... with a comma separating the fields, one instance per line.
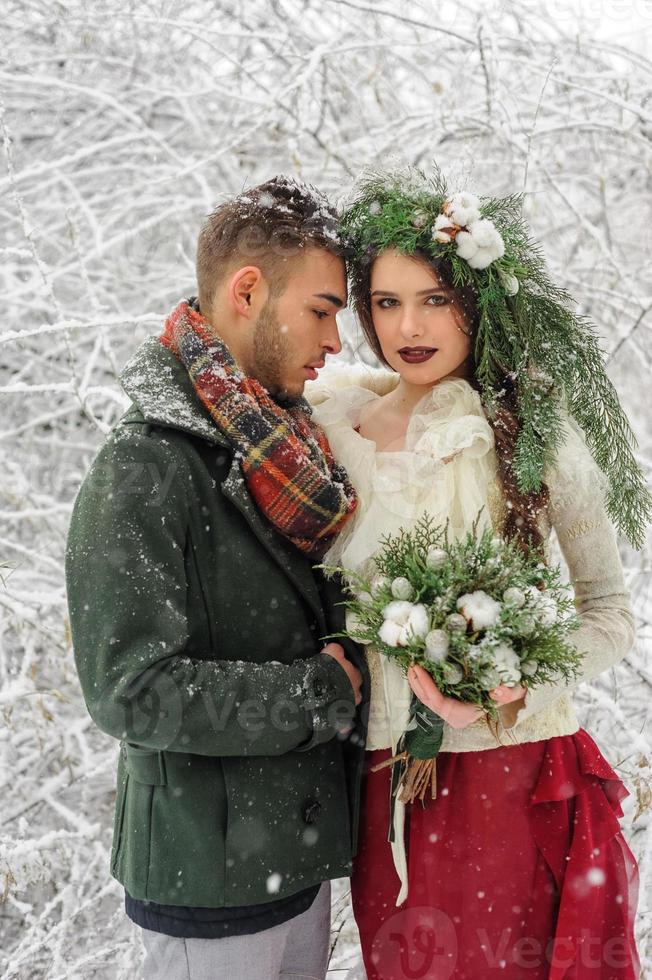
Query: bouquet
x=475, y=613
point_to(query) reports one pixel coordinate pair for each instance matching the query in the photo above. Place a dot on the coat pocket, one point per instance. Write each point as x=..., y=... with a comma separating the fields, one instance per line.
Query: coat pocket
x=119, y=814
x=140, y=771
x=144, y=765
x=187, y=827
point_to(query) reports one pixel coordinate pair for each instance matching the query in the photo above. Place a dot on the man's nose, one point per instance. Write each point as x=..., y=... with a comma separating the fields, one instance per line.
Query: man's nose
x=332, y=343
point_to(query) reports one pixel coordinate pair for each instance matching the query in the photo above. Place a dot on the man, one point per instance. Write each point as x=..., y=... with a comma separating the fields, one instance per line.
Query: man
x=196, y=611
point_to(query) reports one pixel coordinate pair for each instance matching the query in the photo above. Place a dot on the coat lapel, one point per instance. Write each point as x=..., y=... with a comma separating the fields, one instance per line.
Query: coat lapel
x=160, y=387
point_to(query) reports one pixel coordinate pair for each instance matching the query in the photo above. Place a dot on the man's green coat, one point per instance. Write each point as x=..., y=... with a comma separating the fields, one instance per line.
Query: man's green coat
x=197, y=630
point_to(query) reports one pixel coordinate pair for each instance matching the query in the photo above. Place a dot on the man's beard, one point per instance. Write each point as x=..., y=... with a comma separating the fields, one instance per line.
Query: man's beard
x=270, y=352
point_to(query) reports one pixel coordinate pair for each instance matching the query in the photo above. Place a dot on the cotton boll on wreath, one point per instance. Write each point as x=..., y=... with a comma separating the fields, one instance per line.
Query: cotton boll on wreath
x=442, y=230
x=463, y=208
x=480, y=244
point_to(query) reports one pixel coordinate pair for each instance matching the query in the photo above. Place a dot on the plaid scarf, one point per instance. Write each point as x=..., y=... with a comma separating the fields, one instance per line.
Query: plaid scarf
x=285, y=456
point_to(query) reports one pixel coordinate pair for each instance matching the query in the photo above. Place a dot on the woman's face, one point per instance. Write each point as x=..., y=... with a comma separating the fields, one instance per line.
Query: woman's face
x=423, y=334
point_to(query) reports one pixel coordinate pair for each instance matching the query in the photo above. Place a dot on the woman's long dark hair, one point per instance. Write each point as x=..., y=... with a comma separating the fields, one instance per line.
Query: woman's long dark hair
x=521, y=510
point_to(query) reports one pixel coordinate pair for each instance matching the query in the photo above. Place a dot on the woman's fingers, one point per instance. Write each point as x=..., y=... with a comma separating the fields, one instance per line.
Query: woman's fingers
x=505, y=695
x=456, y=713
x=427, y=691
x=413, y=681
x=499, y=693
x=424, y=687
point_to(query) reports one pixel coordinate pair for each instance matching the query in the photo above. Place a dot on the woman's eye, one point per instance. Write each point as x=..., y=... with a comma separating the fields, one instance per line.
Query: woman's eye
x=386, y=303
x=320, y=314
x=439, y=300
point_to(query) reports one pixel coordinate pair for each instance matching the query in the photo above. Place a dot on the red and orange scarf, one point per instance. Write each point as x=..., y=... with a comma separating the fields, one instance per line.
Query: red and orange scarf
x=285, y=456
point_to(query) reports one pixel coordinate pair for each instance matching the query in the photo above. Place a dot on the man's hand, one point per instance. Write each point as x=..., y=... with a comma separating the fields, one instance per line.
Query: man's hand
x=336, y=651
x=458, y=714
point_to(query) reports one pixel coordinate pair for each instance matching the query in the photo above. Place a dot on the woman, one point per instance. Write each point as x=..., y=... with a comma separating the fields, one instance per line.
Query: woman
x=518, y=867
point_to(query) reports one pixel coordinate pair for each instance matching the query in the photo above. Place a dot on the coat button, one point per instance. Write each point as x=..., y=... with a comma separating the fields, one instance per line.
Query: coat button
x=311, y=810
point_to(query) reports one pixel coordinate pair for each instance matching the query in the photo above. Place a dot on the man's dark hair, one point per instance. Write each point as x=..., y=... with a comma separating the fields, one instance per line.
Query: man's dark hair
x=269, y=226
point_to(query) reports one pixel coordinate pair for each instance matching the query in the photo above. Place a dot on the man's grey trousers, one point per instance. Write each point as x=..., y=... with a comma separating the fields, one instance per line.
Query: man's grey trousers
x=296, y=949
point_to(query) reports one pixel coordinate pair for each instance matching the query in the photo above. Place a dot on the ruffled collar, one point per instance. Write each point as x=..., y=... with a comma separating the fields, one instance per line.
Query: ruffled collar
x=449, y=419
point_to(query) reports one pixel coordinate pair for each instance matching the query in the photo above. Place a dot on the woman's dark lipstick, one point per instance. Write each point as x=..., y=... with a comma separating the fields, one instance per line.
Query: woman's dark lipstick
x=416, y=355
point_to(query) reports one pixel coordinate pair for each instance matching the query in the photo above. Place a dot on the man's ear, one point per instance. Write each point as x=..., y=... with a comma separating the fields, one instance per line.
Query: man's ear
x=245, y=291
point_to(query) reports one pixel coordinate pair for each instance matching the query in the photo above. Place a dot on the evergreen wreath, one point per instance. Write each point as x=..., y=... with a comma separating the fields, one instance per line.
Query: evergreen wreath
x=527, y=328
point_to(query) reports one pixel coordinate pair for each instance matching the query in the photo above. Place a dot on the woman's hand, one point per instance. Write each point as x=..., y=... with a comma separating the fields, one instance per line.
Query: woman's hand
x=456, y=713
x=510, y=700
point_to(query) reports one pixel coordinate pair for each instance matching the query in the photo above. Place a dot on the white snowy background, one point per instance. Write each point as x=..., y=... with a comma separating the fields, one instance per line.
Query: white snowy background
x=122, y=123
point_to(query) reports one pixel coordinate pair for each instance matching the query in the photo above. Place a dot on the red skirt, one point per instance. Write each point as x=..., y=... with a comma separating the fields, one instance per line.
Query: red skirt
x=517, y=870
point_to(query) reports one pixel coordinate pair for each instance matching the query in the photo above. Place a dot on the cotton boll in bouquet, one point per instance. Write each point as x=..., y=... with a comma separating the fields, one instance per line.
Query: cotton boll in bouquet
x=475, y=613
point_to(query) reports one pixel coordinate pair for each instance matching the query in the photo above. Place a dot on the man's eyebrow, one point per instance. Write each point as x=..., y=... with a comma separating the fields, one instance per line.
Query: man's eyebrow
x=422, y=292
x=335, y=300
